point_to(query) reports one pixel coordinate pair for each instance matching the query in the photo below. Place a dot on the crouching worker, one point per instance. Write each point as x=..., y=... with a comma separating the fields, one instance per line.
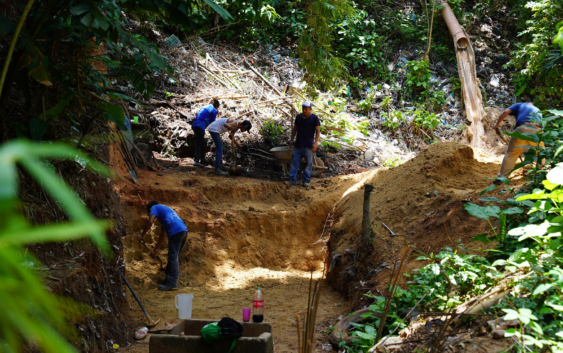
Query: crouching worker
x=218, y=128
x=527, y=116
x=173, y=226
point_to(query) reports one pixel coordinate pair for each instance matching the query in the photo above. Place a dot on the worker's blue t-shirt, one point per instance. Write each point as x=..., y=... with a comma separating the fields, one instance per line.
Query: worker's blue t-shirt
x=206, y=116
x=524, y=113
x=306, y=130
x=169, y=219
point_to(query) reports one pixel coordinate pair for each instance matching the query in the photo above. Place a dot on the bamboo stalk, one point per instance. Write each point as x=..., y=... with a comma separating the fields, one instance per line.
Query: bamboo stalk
x=15, y=37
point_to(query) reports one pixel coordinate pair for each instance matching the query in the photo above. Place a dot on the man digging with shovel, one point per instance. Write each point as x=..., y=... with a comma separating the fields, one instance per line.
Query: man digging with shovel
x=177, y=231
x=525, y=114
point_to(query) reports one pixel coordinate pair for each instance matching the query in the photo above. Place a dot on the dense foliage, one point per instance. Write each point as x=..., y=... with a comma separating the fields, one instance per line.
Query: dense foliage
x=528, y=228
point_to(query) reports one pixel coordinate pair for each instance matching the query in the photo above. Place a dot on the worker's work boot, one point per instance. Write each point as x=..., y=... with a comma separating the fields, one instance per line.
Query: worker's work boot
x=307, y=186
x=167, y=288
x=197, y=164
x=290, y=183
x=220, y=172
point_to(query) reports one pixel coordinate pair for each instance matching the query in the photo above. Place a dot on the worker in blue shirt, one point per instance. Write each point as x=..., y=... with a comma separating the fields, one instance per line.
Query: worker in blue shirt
x=527, y=118
x=177, y=232
x=204, y=118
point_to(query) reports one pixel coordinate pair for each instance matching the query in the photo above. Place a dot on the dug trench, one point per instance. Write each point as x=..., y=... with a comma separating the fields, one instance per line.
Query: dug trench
x=246, y=232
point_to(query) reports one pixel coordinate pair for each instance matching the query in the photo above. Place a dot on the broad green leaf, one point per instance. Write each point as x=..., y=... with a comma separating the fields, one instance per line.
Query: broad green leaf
x=482, y=212
x=113, y=113
x=37, y=128
x=6, y=26
x=556, y=112
x=58, y=108
x=549, y=185
x=41, y=74
x=488, y=189
x=520, y=90
x=532, y=137
x=482, y=238
x=55, y=232
x=364, y=335
x=512, y=210
x=542, y=288
x=221, y=11
x=510, y=314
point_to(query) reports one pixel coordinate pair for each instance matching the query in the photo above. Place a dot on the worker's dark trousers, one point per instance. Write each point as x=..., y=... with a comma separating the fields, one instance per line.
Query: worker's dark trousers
x=199, y=155
x=175, y=244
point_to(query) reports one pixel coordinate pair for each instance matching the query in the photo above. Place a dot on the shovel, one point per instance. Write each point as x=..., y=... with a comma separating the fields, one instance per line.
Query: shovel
x=153, y=254
x=501, y=136
x=234, y=170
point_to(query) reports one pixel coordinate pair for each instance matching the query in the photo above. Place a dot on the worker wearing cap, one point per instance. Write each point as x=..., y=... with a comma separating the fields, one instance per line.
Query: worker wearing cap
x=204, y=118
x=218, y=128
x=177, y=232
x=525, y=114
x=307, y=126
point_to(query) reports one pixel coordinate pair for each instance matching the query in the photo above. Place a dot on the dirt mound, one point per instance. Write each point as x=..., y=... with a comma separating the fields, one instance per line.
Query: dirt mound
x=421, y=201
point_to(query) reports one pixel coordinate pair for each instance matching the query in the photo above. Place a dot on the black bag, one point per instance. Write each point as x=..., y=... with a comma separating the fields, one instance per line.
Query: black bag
x=230, y=327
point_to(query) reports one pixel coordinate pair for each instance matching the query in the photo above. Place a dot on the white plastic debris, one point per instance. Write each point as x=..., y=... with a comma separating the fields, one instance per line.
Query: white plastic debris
x=141, y=333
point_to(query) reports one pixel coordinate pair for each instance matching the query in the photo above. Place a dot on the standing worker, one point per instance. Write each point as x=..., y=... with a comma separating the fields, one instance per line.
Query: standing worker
x=177, y=232
x=218, y=128
x=204, y=118
x=524, y=113
x=308, y=129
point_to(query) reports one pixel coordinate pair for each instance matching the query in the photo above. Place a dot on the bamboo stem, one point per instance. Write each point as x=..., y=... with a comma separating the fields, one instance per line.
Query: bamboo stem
x=13, y=44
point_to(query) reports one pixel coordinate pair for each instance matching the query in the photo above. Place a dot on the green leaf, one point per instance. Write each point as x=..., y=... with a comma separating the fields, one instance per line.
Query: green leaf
x=532, y=137
x=124, y=97
x=488, y=199
x=482, y=212
x=482, y=238
x=556, y=112
x=221, y=11
x=549, y=185
x=58, y=108
x=55, y=232
x=510, y=314
x=113, y=113
x=489, y=188
x=521, y=90
x=512, y=210
x=37, y=128
x=6, y=26
x=542, y=288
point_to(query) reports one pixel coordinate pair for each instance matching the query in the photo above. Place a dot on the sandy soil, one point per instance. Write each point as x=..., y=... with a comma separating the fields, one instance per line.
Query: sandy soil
x=246, y=232
x=243, y=233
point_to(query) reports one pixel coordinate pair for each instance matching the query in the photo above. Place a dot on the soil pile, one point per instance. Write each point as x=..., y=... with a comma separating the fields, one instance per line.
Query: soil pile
x=422, y=201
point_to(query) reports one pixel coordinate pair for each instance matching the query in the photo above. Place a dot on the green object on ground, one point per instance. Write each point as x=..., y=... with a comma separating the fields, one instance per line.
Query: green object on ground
x=173, y=41
x=136, y=119
x=212, y=333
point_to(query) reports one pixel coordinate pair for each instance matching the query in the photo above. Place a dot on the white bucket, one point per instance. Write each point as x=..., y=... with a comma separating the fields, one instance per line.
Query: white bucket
x=184, y=305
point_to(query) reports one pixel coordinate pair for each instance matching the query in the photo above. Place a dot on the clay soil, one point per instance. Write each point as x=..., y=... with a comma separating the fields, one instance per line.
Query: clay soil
x=246, y=232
